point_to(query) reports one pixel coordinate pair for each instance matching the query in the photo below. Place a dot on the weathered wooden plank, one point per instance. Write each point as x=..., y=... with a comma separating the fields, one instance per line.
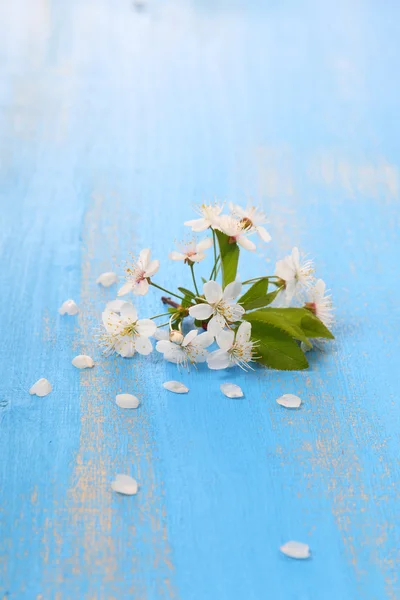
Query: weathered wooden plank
x=113, y=122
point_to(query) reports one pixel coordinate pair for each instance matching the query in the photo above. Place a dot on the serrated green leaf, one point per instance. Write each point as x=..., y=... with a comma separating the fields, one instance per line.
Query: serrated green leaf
x=310, y=324
x=263, y=301
x=278, y=320
x=276, y=348
x=255, y=292
x=229, y=258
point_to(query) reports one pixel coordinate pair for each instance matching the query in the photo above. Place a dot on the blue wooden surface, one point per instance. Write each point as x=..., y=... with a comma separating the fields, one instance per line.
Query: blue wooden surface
x=113, y=122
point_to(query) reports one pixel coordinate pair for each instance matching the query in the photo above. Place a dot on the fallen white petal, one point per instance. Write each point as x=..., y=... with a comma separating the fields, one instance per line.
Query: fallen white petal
x=69, y=307
x=107, y=279
x=41, y=388
x=175, y=386
x=115, y=305
x=82, y=361
x=127, y=401
x=295, y=550
x=161, y=334
x=289, y=401
x=125, y=484
x=231, y=390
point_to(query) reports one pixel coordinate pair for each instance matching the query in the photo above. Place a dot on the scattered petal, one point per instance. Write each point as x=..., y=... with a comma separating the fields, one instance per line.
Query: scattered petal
x=231, y=390
x=125, y=484
x=175, y=386
x=41, y=388
x=82, y=361
x=289, y=401
x=69, y=307
x=161, y=334
x=296, y=550
x=107, y=279
x=127, y=401
x=115, y=305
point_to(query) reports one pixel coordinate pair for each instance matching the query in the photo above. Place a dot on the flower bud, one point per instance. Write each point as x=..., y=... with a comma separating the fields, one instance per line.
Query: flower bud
x=176, y=336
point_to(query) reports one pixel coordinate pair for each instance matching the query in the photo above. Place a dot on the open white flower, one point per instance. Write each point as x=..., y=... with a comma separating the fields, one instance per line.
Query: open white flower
x=192, y=251
x=237, y=231
x=187, y=350
x=234, y=350
x=296, y=275
x=137, y=276
x=219, y=305
x=209, y=217
x=252, y=220
x=320, y=303
x=125, y=333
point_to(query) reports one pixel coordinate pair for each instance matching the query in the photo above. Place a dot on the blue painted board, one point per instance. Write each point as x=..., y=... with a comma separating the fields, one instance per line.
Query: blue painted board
x=114, y=121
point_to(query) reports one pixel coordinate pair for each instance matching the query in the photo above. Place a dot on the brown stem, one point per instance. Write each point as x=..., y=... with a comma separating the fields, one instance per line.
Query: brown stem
x=170, y=302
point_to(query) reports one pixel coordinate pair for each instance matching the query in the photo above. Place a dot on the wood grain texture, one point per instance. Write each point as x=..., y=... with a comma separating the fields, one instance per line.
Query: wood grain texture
x=113, y=123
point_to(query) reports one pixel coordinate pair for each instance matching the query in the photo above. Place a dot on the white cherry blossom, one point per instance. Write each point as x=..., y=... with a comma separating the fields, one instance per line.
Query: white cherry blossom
x=320, y=303
x=219, y=305
x=125, y=333
x=237, y=231
x=252, y=220
x=191, y=252
x=209, y=217
x=297, y=275
x=188, y=350
x=137, y=276
x=234, y=350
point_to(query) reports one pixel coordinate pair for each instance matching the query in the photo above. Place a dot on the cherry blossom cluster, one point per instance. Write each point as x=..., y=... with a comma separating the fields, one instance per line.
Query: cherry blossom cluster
x=227, y=322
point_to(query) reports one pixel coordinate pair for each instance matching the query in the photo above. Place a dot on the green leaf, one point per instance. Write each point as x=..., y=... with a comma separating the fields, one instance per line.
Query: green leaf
x=270, y=317
x=256, y=297
x=229, y=258
x=186, y=292
x=255, y=293
x=310, y=324
x=276, y=348
x=186, y=302
x=188, y=297
x=269, y=298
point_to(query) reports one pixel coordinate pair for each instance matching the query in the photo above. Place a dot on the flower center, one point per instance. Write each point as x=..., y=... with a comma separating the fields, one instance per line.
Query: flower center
x=246, y=223
x=129, y=329
x=140, y=275
x=311, y=306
